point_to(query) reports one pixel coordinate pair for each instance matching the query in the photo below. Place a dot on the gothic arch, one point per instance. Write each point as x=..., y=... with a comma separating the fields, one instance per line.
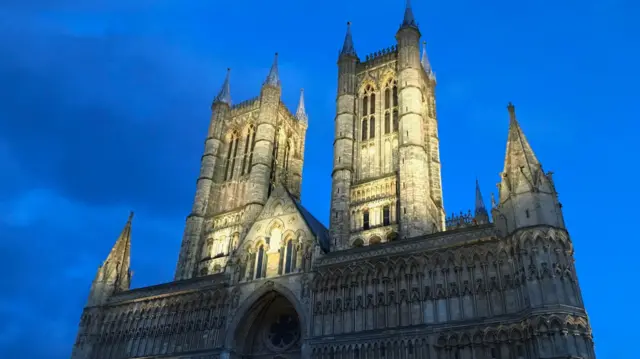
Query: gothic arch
x=246, y=309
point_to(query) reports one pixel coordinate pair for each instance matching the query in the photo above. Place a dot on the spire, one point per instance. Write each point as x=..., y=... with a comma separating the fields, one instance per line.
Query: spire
x=119, y=259
x=114, y=275
x=273, y=79
x=347, y=48
x=519, y=156
x=224, y=96
x=425, y=62
x=481, y=210
x=301, y=113
x=521, y=167
x=409, y=20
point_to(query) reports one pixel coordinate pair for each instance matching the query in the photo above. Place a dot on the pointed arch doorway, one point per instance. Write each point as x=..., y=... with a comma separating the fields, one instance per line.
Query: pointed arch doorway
x=270, y=329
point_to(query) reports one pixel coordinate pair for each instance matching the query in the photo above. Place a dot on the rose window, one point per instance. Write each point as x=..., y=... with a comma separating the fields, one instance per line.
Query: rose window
x=283, y=332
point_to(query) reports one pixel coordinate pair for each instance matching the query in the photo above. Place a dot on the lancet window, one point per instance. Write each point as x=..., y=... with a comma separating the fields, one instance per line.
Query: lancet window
x=368, y=110
x=249, y=144
x=289, y=256
x=391, y=106
x=232, y=151
x=261, y=262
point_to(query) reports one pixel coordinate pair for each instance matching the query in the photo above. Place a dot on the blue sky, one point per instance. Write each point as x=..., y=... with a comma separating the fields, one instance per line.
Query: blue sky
x=104, y=108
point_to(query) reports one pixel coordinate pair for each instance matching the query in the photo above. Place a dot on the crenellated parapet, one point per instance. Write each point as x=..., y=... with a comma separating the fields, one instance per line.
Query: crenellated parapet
x=378, y=58
x=245, y=106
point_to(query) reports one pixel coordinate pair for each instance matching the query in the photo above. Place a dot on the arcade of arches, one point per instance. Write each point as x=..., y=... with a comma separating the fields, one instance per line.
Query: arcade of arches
x=269, y=330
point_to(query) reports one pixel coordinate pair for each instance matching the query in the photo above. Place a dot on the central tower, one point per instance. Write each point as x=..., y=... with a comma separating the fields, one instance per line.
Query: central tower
x=386, y=171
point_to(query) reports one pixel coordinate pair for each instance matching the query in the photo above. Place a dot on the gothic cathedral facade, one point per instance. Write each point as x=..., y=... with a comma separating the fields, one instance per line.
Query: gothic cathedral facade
x=259, y=277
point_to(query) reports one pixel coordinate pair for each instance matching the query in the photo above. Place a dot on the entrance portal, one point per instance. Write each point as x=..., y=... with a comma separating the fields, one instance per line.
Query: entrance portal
x=270, y=329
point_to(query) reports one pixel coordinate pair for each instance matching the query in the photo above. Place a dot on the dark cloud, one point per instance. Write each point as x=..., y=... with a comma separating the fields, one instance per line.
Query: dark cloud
x=67, y=98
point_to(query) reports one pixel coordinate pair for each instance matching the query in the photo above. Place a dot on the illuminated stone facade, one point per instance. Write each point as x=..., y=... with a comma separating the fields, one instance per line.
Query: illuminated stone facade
x=259, y=277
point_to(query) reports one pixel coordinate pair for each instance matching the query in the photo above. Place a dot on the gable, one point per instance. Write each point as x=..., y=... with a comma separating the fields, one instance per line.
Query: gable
x=289, y=218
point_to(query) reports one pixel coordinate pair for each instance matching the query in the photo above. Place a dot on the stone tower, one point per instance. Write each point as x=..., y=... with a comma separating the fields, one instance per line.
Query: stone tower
x=249, y=147
x=386, y=162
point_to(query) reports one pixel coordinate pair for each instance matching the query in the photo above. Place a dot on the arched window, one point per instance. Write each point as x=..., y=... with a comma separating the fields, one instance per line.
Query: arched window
x=248, y=147
x=365, y=105
x=395, y=95
x=372, y=127
x=373, y=103
x=365, y=219
x=358, y=243
x=260, y=263
x=234, y=156
x=387, y=98
x=395, y=120
x=364, y=129
x=289, y=257
x=386, y=216
x=387, y=122
x=231, y=156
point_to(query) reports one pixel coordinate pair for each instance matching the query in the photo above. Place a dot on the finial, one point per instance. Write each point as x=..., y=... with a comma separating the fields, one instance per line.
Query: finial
x=347, y=47
x=130, y=216
x=301, y=113
x=273, y=78
x=224, y=96
x=425, y=61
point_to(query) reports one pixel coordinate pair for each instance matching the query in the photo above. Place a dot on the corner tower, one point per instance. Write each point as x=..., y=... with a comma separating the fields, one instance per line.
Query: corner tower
x=527, y=195
x=386, y=168
x=249, y=146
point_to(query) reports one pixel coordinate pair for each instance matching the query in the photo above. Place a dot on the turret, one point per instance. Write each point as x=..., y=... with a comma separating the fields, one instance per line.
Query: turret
x=342, y=174
x=480, y=214
x=263, y=165
x=114, y=275
x=205, y=183
x=419, y=212
x=294, y=177
x=527, y=195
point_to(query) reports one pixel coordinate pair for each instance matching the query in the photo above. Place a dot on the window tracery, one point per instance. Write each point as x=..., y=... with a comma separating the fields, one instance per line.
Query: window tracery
x=368, y=127
x=249, y=145
x=232, y=151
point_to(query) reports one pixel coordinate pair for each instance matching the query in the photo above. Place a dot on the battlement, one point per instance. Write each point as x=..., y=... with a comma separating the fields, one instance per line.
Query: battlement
x=462, y=220
x=245, y=106
x=380, y=57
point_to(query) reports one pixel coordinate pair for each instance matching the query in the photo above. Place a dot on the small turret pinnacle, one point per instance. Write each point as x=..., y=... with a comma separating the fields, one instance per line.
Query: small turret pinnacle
x=301, y=113
x=224, y=96
x=425, y=62
x=480, y=208
x=409, y=20
x=273, y=79
x=347, y=48
x=493, y=200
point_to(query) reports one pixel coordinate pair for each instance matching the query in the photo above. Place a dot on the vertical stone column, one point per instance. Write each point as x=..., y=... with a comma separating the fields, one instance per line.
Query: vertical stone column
x=259, y=178
x=193, y=228
x=342, y=175
x=413, y=173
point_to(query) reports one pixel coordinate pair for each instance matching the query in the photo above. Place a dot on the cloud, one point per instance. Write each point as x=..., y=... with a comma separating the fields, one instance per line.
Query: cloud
x=67, y=97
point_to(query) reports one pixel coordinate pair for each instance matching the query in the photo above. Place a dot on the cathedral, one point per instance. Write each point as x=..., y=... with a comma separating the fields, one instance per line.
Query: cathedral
x=259, y=277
